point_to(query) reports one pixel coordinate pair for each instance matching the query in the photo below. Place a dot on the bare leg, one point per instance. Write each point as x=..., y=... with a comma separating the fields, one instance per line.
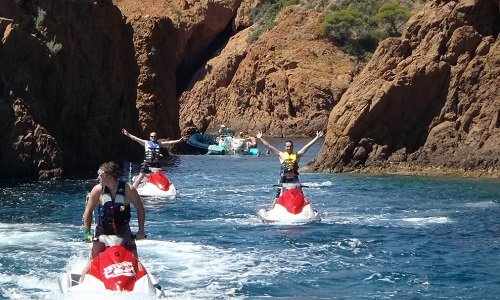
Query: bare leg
x=85, y=270
x=274, y=202
x=96, y=249
x=138, y=180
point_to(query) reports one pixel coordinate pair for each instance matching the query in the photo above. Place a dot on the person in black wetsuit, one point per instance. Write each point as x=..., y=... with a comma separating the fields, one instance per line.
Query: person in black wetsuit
x=152, y=153
x=113, y=198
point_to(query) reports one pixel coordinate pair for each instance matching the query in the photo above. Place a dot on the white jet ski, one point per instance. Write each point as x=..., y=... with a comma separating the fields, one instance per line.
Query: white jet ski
x=291, y=207
x=114, y=269
x=156, y=184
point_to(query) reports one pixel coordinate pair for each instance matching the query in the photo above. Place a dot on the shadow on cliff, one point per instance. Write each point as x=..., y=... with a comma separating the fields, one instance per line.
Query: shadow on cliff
x=72, y=70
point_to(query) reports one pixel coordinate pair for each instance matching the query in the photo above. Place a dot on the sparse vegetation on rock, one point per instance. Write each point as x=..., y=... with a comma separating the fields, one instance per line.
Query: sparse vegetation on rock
x=358, y=26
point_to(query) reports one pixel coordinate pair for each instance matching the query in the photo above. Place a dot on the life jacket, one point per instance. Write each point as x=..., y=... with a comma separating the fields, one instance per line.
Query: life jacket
x=114, y=215
x=289, y=166
x=153, y=153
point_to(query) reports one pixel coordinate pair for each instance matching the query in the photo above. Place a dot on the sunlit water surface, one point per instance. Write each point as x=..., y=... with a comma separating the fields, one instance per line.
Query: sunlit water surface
x=381, y=237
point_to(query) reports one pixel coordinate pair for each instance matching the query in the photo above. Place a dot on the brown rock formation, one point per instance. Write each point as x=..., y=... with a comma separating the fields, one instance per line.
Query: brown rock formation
x=285, y=84
x=85, y=69
x=70, y=79
x=35, y=150
x=427, y=102
x=170, y=37
x=72, y=72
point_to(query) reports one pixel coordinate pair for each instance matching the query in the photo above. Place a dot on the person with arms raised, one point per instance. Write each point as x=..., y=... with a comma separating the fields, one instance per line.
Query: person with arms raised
x=289, y=160
x=152, y=153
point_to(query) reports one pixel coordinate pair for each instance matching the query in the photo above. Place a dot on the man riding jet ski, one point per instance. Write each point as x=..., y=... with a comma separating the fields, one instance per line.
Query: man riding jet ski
x=290, y=204
x=156, y=184
x=114, y=263
x=152, y=152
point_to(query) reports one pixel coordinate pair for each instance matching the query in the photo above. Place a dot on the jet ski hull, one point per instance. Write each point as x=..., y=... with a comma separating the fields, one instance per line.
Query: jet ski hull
x=150, y=190
x=279, y=215
x=114, y=269
x=291, y=207
x=156, y=184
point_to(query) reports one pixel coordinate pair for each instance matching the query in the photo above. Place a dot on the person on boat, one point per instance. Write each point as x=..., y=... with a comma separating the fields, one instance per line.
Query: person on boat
x=289, y=160
x=152, y=153
x=225, y=131
x=113, y=197
x=251, y=141
x=222, y=130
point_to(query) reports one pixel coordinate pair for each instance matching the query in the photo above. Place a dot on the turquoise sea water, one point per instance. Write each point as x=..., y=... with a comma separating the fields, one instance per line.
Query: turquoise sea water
x=381, y=237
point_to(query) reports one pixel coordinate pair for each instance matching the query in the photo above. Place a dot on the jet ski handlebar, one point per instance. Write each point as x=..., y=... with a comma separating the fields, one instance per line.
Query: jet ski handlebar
x=109, y=239
x=294, y=185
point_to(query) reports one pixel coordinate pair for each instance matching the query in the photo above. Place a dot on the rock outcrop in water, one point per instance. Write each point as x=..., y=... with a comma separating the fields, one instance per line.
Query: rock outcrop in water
x=427, y=102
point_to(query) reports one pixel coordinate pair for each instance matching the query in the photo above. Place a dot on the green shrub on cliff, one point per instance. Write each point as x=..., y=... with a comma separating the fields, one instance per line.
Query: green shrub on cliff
x=358, y=26
x=39, y=19
x=263, y=15
x=53, y=47
x=391, y=17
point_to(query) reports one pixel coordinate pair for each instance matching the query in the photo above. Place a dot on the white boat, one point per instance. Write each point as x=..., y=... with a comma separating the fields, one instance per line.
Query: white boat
x=156, y=184
x=291, y=208
x=232, y=146
x=221, y=145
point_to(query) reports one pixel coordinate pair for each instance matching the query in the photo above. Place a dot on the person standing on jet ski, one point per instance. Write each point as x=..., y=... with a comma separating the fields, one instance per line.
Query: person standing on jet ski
x=152, y=153
x=289, y=160
x=113, y=197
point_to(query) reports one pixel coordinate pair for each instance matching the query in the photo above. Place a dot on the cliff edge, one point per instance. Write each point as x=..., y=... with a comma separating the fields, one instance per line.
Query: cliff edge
x=427, y=102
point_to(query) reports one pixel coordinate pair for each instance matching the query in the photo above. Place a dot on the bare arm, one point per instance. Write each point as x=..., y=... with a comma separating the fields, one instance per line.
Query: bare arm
x=306, y=147
x=141, y=215
x=91, y=205
x=269, y=146
x=166, y=143
x=133, y=137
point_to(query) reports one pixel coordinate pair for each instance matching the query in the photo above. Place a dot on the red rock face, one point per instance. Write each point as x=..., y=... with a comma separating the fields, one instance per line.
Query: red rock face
x=116, y=67
x=79, y=95
x=285, y=84
x=34, y=148
x=427, y=102
x=170, y=36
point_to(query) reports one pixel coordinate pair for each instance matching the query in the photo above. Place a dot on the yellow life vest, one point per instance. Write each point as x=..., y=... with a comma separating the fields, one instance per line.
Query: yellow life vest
x=290, y=166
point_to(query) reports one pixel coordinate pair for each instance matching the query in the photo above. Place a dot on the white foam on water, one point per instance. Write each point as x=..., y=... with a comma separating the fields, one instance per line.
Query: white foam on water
x=319, y=184
x=427, y=220
x=482, y=204
x=385, y=220
x=35, y=249
x=98, y=295
x=246, y=219
x=28, y=286
x=188, y=270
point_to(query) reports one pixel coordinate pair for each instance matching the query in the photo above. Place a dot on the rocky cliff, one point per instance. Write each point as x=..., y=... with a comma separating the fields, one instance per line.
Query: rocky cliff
x=285, y=84
x=427, y=102
x=67, y=79
x=73, y=73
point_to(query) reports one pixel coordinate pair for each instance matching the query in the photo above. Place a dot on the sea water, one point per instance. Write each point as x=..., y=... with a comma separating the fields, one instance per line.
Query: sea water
x=381, y=237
